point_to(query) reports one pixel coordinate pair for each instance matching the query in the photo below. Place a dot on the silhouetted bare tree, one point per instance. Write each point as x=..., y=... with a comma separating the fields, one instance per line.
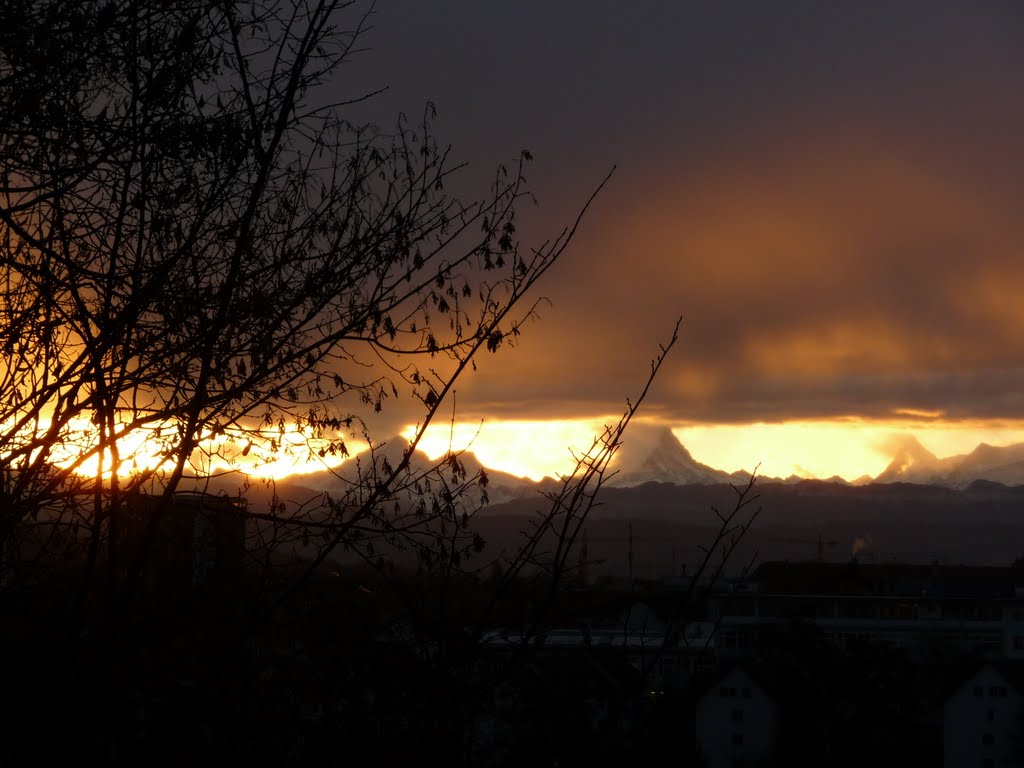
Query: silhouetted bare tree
x=204, y=261
x=202, y=256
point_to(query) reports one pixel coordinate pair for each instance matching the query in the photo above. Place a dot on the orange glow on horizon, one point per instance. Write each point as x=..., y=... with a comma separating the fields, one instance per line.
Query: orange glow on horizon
x=525, y=448
x=265, y=453
x=849, y=448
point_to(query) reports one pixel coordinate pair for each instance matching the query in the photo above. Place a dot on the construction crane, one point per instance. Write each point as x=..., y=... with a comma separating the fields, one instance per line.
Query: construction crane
x=821, y=544
x=587, y=539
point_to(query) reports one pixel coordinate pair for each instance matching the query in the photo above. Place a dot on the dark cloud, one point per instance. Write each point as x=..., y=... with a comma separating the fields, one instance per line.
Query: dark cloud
x=828, y=193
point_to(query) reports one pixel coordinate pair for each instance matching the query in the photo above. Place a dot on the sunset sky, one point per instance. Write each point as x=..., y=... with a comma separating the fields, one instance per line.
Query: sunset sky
x=829, y=193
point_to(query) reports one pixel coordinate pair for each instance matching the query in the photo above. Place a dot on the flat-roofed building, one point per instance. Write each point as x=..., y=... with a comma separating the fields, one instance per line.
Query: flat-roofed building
x=980, y=609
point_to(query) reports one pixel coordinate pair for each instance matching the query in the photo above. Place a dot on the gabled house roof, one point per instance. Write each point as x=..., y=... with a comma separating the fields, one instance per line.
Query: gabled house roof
x=1011, y=671
x=780, y=681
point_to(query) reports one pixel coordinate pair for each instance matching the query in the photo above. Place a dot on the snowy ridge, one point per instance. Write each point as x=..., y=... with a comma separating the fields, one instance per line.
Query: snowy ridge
x=913, y=463
x=659, y=457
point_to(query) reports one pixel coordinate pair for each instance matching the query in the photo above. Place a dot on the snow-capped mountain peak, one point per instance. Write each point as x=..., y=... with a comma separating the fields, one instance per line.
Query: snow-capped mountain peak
x=913, y=463
x=656, y=455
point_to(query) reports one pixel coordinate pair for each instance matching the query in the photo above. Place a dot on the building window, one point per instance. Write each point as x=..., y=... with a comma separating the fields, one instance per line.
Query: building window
x=737, y=739
x=988, y=762
x=737, y=715
x=978, y=690
x=997, y=690
x=727, y=692
x=987, y=739
x=991, y=714
x=1018, y=642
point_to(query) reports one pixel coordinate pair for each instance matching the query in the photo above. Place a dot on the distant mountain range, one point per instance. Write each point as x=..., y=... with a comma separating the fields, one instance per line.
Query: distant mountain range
x=965, y=509
x=501, y=486
x=657, y=456
x=913, y=463
x=666, y=460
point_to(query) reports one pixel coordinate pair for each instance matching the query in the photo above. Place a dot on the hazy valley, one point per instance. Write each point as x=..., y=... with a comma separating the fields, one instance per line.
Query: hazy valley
x=660, y=505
